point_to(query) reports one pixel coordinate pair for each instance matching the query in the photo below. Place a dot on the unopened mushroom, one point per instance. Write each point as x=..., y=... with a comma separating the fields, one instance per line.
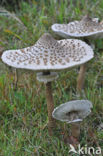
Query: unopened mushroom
x=86, y=29
x=73, y=112
x=46, y=56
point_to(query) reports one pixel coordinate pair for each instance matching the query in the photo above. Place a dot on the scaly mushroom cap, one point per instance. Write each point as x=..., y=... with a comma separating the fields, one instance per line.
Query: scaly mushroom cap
x=72, y=111
x=49, y=54
x=87, y=27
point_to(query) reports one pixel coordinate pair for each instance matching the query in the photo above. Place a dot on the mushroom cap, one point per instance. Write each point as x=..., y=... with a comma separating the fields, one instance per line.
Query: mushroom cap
x=49, y=54
x=87, y=27
x=72, y=111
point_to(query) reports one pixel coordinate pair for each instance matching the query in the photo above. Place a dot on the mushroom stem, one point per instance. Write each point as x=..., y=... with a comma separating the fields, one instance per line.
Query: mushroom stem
x=81, y=78
x=13, y=72
x=50, y=107
x=16, y=77
x=75, y=130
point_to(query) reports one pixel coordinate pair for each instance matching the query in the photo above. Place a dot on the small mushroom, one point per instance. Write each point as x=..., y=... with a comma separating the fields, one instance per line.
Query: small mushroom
x=86, y=29
x=73, y=112
x=46, y=56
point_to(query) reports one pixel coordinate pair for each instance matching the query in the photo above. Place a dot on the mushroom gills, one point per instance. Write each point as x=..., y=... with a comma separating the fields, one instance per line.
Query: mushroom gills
x=73, y=115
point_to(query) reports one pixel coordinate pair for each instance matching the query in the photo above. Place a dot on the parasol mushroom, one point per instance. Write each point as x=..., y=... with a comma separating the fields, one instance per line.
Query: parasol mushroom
x=73, y=112
x=86, y=29
x=46, y=56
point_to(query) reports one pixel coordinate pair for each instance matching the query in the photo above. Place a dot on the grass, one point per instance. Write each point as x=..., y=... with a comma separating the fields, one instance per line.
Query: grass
x=23, y=113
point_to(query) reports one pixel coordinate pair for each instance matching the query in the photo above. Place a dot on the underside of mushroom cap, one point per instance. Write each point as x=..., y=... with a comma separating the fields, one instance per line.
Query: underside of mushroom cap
x=47, y=78
x=87, y=27
x=72, y=111
x=49, y=54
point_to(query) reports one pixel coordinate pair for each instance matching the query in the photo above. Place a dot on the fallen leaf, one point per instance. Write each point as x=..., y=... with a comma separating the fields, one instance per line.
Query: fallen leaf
x=92, y=137
x=71, y=140
x=12, y=33
x=24, y=120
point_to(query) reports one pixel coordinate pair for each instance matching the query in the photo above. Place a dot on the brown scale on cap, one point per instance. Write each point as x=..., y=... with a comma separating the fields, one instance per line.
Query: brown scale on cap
x=22, y=50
